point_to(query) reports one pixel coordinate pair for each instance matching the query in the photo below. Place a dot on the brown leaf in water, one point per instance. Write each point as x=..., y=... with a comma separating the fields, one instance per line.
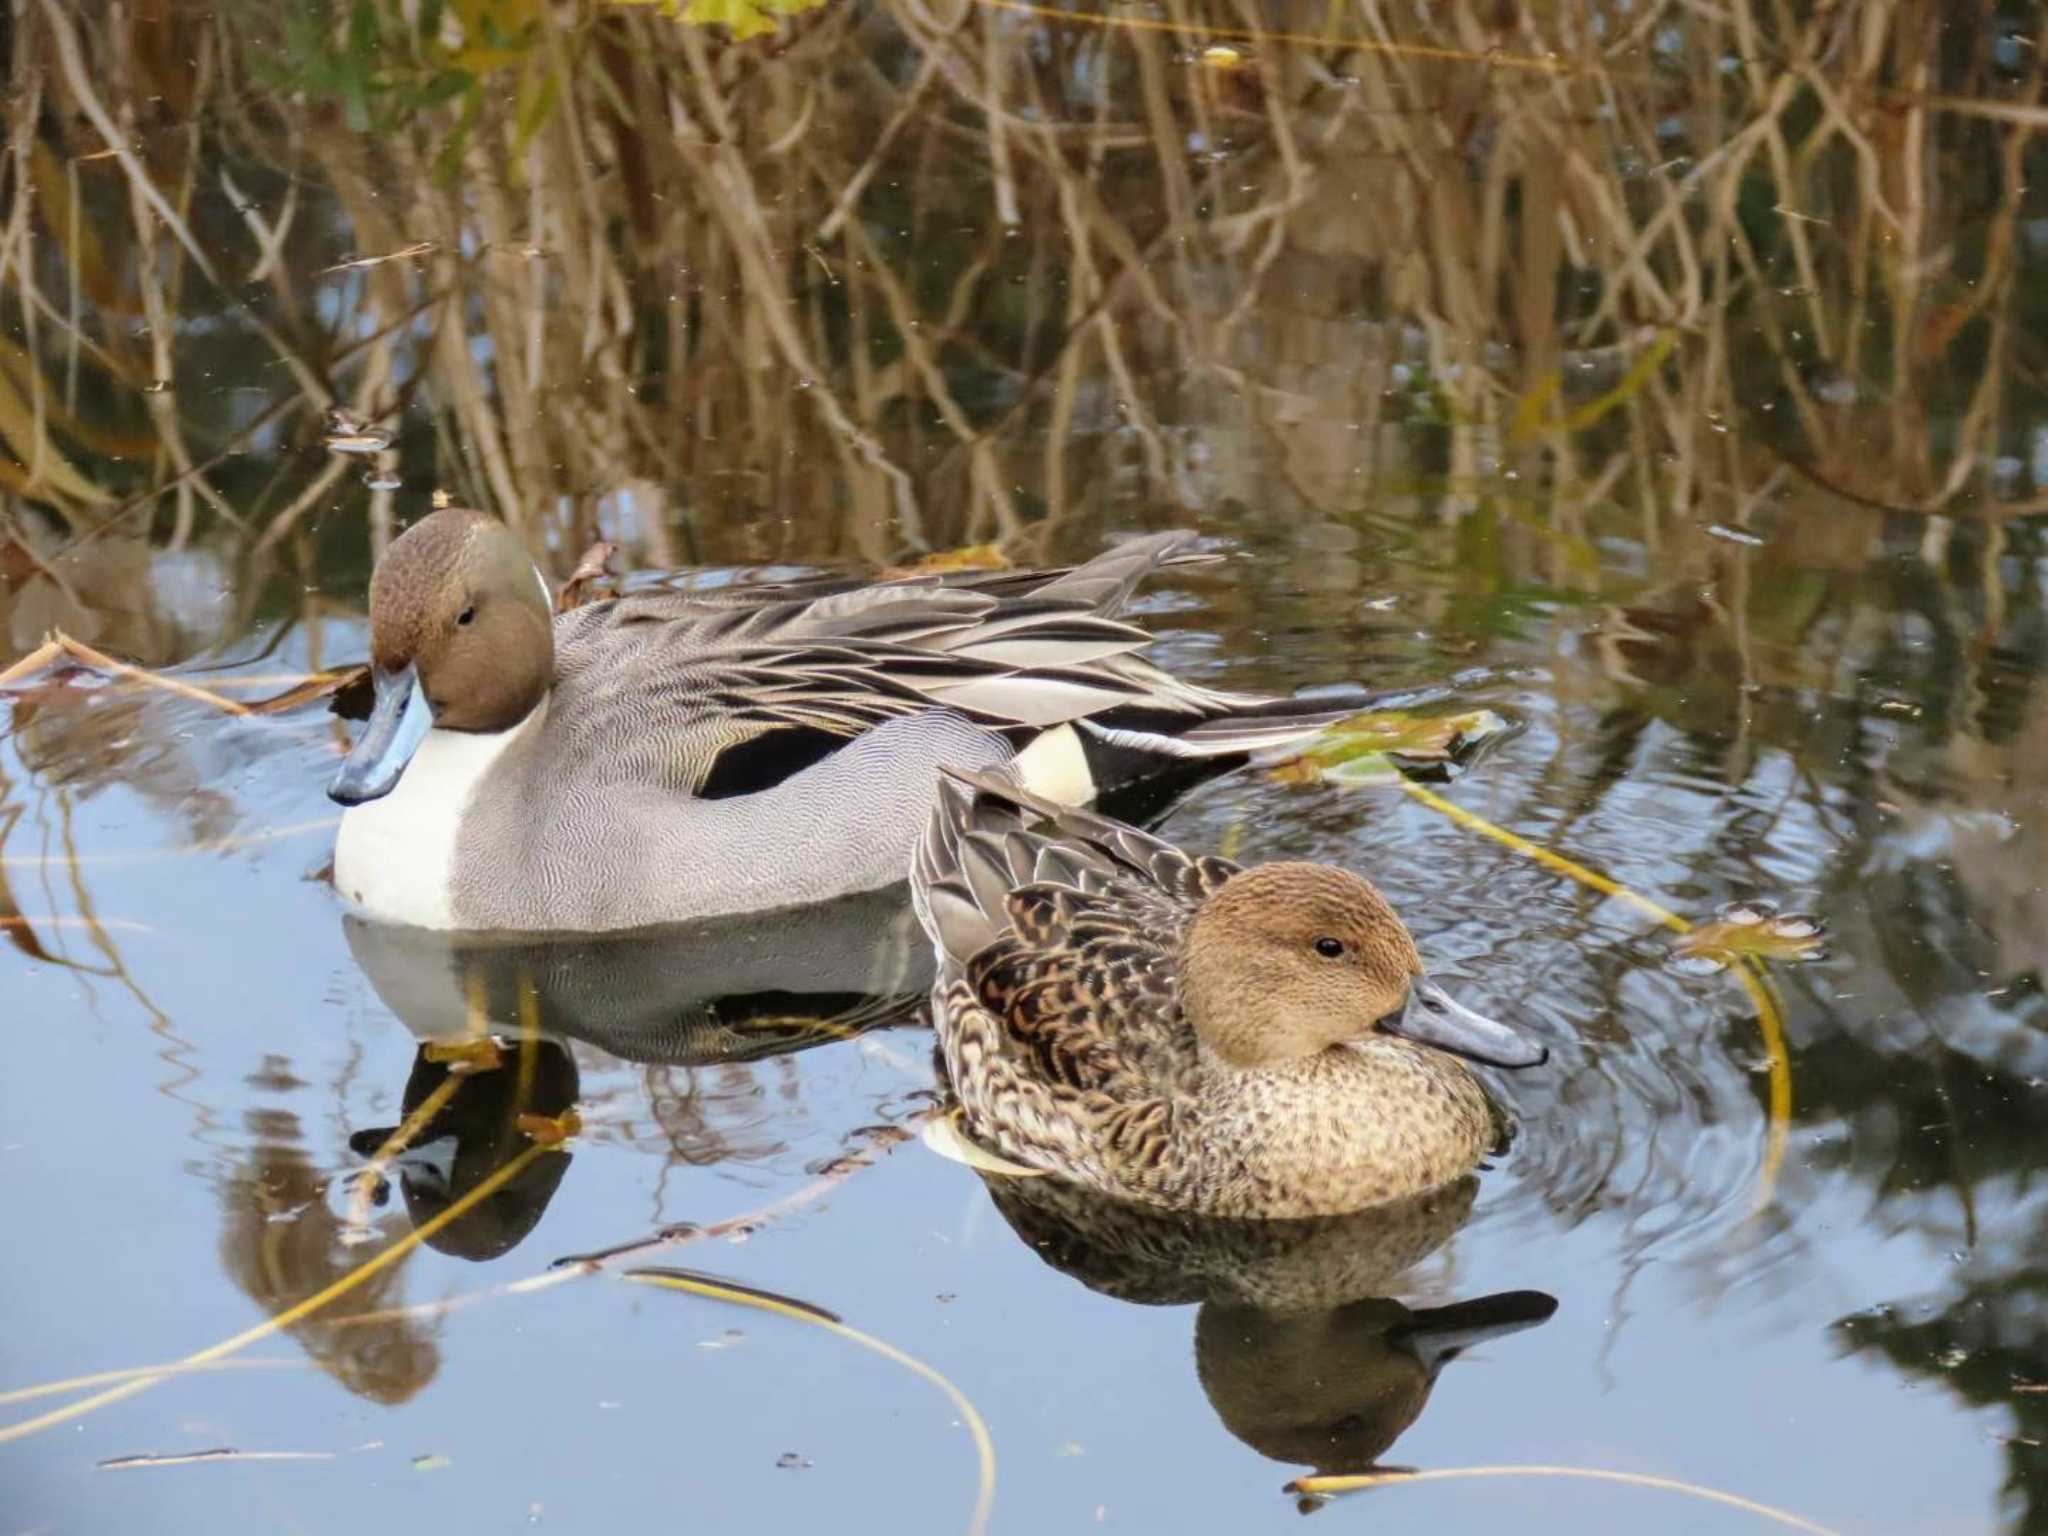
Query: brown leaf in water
x=1373, y=748
x=549, y=1130
x=1754, y=930
x=969, y=557
x=480, y=1055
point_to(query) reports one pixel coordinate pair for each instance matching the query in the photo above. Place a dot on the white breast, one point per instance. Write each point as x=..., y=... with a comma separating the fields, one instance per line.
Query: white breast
x=394, y=858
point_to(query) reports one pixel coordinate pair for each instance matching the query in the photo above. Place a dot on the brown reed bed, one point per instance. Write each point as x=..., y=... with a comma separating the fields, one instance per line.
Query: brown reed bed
x=917, y=273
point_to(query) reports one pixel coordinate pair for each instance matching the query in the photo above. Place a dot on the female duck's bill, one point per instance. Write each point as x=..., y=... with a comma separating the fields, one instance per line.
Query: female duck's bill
x=1433, y=1017
x=399, y=721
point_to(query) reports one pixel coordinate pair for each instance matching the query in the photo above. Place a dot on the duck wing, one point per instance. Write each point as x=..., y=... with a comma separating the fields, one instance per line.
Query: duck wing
x=1058, y=933
x=730, y=691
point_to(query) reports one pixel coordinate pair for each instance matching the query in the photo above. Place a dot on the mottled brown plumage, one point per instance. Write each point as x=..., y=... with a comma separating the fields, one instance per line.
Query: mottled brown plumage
x=1172, y=1029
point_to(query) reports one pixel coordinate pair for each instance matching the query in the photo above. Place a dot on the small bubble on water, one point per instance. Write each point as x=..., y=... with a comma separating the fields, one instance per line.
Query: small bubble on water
x=1795, y=925
x=1698, y=963
x=383, y=480
x=1745, y=913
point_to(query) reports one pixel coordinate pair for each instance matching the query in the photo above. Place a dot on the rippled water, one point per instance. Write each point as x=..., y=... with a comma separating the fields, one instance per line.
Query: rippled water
x=1784, y=1201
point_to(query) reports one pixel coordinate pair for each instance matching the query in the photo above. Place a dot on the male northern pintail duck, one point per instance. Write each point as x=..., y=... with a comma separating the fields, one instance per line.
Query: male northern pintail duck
x=666, y=756
x=1183, y=1032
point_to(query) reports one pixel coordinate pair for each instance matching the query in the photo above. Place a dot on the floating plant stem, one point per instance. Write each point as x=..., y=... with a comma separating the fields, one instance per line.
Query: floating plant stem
x=1318, y=1486
x=371, y=1175
x=698, y=1284
x=1770, y=1022
x=371, y=1266
x=129, y=1372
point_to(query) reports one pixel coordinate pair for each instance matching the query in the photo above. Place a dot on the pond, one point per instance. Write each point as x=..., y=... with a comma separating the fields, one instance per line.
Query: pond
x=1667, y=383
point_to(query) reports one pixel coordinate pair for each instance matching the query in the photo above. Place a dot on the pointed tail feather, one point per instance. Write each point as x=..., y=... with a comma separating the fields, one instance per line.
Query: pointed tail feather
x=1106, y=582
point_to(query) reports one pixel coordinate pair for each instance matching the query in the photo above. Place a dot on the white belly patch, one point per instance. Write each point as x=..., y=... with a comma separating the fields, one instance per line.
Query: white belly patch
x=394, y=858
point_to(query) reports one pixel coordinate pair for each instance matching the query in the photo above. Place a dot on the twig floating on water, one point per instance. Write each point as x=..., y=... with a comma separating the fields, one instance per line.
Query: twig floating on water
x=219, y=1453
x=1317, y=1486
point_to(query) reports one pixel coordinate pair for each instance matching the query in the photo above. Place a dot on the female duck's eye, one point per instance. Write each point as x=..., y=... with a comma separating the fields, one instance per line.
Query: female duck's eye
x=466, y=615
x=1330, y=949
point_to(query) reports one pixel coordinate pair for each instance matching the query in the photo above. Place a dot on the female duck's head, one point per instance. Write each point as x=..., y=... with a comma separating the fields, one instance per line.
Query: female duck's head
x=1288, y=960
x=461, y=639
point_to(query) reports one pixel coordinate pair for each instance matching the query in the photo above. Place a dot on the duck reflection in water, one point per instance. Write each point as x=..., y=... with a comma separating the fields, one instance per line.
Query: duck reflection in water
x=1299, y=1349
x=506, y=1013
x=480, y=1127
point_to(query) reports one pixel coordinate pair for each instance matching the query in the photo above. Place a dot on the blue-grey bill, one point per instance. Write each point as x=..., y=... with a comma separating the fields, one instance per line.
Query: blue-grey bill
x=1437, y=1334
x=399, y=722
x=1434, y=1017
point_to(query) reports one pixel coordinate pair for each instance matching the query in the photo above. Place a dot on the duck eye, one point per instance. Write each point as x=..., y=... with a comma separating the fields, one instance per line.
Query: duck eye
x=466, y=615
x=1329, y=948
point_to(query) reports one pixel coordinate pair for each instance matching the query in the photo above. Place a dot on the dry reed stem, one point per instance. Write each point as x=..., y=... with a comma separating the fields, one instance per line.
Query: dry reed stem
x=1316, y=1487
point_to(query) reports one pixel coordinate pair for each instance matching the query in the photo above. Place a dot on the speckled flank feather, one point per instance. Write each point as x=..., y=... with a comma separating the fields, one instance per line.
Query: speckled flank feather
x=1061, y=940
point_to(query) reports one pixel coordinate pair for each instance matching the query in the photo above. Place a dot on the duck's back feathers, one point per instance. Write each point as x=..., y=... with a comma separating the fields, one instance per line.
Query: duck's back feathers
x=998, y=860
x=729, y=691
x=1057, y=934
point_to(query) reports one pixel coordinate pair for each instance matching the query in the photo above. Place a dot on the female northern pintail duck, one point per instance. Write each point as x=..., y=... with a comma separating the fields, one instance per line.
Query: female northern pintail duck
x=666, y=756
x=1183, y=1032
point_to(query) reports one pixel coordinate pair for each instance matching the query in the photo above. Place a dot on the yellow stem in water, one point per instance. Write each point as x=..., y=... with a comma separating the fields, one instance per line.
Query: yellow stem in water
x=372, y=1172
x=1769, y=1019
x=291, y=1314
x=128, y=1372
x=1322, y=1485
x=704, y=1285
